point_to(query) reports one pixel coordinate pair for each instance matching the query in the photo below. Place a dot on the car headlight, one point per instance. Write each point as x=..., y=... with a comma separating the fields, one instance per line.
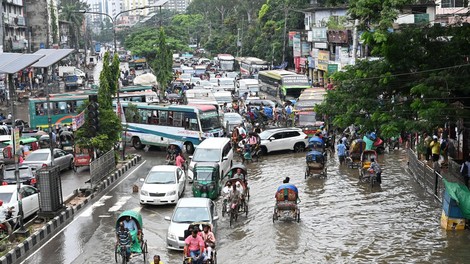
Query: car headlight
x=171, y=193
x=171, y=236
x=144, y=193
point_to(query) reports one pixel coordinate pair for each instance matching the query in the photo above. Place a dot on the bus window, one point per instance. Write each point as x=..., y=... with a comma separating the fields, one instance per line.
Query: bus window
x=154, y=118
x=177, y=119
x=163, y=115
x=143, y=116
x=190, y=121
x=40, y=109
x=62, y=107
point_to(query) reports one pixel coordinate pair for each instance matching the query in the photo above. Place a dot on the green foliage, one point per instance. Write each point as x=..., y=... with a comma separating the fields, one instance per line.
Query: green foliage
x=162, y=65
x=54, y=24
x=110, y=125
x=415, y=87
x=69, y=13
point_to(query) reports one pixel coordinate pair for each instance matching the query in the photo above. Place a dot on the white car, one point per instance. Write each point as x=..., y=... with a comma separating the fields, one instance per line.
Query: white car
x=164, y=184
x=29, y=198
x=218, y=150
x=42, y=158
x=187, y=211
x=283, y=139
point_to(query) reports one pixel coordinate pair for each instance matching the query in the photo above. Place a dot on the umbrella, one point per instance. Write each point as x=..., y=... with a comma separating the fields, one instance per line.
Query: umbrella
x=41, y=133
x=145, y=79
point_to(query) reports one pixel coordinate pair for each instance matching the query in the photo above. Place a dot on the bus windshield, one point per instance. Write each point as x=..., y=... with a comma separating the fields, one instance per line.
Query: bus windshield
x=209, y=121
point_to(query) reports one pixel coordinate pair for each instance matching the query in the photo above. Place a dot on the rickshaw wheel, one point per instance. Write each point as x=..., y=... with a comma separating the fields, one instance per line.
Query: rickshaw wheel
x=298, y=217
x=116, y=253
x=72, y=166
x=145, y=250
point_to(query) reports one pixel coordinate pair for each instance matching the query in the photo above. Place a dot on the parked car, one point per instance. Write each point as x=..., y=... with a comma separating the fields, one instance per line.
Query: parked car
x=164, y=184
x=42, y=158
x=218, y=150
x=187, y=211
x=283, y=139
x=29, y=199
x=26, y=175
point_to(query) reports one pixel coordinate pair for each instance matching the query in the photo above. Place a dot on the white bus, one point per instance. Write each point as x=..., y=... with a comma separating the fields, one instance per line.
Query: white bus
x=226, y=62
x=160, y=125
x=250, y=66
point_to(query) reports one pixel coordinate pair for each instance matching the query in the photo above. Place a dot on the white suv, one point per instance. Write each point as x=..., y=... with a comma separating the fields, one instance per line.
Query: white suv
x=283, y=139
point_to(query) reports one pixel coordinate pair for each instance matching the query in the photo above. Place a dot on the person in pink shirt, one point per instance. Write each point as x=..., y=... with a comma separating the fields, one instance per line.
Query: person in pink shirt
x=180, y=160
x=195, y=246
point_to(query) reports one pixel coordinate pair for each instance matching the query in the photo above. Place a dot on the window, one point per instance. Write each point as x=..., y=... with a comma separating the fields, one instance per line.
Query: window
x=177, y=119
x=163, y=117
x=277, y=136
x=454, y=3
x=291, y=134
x=226, y=150
x=190, y=121
x=143, y=116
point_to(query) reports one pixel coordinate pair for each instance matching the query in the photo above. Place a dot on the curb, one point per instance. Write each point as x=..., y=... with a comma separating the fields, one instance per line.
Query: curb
x=50, y=228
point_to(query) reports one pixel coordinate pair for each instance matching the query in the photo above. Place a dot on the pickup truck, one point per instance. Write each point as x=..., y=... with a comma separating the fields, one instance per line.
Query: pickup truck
x=72, y=82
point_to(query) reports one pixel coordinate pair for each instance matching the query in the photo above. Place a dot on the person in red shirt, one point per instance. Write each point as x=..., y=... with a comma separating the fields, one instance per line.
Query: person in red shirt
x=195, y=246
x=180, y=160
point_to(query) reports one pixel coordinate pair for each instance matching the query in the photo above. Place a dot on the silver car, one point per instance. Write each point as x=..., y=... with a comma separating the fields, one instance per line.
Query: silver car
x=187, y=211
x=42, y=158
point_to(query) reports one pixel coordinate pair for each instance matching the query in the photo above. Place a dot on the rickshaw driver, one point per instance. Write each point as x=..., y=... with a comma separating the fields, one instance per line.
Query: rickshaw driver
x=376, y=168
x=234, y=197
x=172, y=152
x=239, y=175
x=195, y=245
x=124, y=239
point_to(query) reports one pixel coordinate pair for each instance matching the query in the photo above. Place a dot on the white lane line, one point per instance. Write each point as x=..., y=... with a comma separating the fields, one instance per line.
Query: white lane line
x=122, y=201
x=104, y=216
x=75, y=219
x=89, y=211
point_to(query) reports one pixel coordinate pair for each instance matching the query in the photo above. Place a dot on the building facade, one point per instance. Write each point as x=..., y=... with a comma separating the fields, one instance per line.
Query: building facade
x=14, y=36
x=39, y=18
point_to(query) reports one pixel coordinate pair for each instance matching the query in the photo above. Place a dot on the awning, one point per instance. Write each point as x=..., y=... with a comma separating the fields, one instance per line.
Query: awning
x=14, y=62
x=51, y=56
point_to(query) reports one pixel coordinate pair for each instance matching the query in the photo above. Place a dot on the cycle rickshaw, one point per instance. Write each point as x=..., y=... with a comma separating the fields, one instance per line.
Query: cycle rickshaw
x=138, y=244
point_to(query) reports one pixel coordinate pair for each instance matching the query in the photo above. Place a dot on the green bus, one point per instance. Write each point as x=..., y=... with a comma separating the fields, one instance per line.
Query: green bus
x=273, y=80
x=125, y=89
x=64, y=106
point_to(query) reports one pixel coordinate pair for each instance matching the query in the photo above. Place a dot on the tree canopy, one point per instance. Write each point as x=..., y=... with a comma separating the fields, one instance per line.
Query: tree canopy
x=417, y=84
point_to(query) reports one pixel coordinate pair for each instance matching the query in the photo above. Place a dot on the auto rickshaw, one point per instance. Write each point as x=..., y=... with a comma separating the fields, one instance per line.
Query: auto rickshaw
x=207, y=182
x=174, y=148
x=81, y=156
x=139, y=244
x=66, y=141
x=29, y=144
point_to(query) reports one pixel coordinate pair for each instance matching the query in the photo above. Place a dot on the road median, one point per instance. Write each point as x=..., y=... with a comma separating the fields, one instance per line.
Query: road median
x=74, y=203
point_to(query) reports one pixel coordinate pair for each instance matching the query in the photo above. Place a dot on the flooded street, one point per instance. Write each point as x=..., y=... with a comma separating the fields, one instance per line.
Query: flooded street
x=342, y=221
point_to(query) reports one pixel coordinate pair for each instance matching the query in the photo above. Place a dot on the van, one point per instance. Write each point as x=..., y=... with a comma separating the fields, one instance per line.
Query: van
x=218, y=150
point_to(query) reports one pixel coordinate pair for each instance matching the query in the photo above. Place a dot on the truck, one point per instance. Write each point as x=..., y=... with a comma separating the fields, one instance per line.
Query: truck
x=71, y=70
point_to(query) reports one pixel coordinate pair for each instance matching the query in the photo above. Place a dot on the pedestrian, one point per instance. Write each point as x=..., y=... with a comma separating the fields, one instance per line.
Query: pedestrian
x=156, y=260
x=465, y=172
x=427, y=142
x=444, y=149
x=341, y=148
x=9, y=116
x=435, y=150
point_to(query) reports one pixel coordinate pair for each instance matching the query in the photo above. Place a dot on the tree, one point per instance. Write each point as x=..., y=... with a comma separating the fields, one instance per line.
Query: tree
x=416, y=86
x=162, y=65
x=69, y=13
x=110, y=128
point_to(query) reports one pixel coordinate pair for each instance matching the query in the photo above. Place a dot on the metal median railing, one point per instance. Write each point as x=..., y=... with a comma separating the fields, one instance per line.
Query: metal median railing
x=102, y=167
x=430, y=179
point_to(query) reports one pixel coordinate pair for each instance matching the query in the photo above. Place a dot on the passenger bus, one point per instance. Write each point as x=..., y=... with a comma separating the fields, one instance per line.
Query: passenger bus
x=226, y=62
x=271, y=81
x=65, y=106
x=304, y=109
x=160, y=125
x=251, y=66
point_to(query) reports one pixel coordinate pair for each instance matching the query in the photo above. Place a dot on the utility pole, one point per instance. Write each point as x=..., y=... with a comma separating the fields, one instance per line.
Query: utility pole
x=284, y=34
x=238, y=41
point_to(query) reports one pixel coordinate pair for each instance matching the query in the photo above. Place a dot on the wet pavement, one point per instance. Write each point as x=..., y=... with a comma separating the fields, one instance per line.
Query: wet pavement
x=342, y=221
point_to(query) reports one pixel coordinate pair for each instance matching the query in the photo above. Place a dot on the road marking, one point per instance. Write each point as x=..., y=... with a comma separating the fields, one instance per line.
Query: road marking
x=89, y=211
x=75, y=219
x=122, y=201
x=104, y=216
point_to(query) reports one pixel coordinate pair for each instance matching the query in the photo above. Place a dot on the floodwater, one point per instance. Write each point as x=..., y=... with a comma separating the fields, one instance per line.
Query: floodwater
x=342, y=220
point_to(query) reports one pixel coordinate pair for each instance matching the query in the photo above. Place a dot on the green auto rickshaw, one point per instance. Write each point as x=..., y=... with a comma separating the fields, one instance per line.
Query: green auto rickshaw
x=207, y=182
x=138, y=245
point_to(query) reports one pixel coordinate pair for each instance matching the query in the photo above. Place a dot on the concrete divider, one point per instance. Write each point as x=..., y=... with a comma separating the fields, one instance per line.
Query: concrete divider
x=49, y=229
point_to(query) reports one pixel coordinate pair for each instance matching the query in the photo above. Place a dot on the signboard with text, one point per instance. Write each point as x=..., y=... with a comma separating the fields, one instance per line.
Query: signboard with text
x=78, y=121
x=323, y=60
x=296, y=45
x=17, y=140
x=319, y=34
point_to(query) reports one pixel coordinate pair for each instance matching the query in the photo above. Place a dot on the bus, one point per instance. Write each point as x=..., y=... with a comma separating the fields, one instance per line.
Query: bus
x=226, y=62
x=65, y=106
x=131, y=88
x=271, y=81
x=160, y=125
x=250, y=66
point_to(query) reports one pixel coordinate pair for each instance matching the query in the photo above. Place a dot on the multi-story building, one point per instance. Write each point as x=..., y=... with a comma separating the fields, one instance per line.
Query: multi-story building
x=13, y=26
x=452, y=11
x=39, y=18
x=174, y=5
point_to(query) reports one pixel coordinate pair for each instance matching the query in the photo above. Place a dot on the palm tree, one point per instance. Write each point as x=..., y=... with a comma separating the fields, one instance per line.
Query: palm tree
x=69, y=12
